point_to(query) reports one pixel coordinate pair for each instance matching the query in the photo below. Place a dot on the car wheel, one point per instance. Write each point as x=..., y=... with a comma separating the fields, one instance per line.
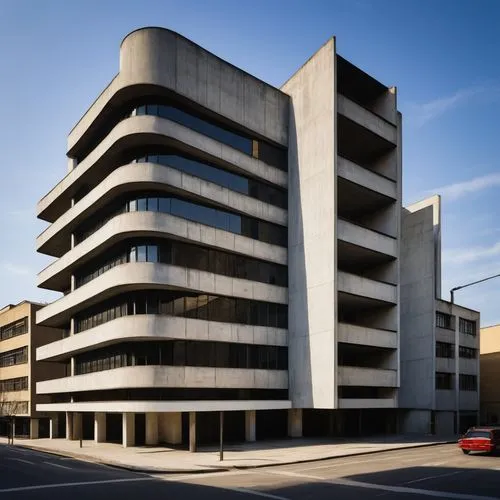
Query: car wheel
x=466, y=452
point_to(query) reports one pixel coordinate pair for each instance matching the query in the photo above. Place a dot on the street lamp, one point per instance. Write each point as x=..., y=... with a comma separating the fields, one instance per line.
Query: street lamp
x=457, y=342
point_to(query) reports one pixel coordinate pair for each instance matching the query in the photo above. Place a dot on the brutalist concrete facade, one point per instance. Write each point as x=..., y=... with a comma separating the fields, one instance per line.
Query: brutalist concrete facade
x=224, y=245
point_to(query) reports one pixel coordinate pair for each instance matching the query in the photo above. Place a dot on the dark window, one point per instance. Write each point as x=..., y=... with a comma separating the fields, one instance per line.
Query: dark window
x=14, y=384
x=467, y=326
x=185, y=255
x=444, y=381
x=214, y=217
x=14, y=357
x=185, y=304
x=444, y=320
x=18, y=327
x=444, y=350
x=209, y=172
x=467, y=352
x=468, y=382
x=272, y=155
x=478, y=434
x=184, y=353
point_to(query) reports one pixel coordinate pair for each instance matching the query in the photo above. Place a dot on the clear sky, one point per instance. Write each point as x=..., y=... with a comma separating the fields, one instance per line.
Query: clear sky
x=57, y=56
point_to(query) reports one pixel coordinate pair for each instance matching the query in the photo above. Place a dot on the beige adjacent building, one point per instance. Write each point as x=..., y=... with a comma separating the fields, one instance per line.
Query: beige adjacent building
x=490, y=372
x=19, y=338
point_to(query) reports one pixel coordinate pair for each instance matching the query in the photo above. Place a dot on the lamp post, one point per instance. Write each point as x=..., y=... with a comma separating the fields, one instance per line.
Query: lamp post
x=457, y=344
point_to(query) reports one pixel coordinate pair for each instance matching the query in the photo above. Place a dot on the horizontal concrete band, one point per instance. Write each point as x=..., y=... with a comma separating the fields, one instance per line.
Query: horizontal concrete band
x=366, y=238
x=177, y=134
x=367, y=119
x=367, y=377
x=154, y=224
x=152, y=327
x=367, y=403
x=140, y=275
x=363, y=335
x=141, y=377
x=147, y=176
x=366, y=178
x=164, y=406
x=366, y=287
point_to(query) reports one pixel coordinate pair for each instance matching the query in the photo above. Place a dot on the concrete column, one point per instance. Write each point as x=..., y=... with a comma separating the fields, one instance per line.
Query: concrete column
x=128, y=429
x=72, y=240
x=151, y=428
x=250, y=418
x=72, y=326
x=99, y=427
x=72, y=367
x=77, y=426
x=73, y=282
x=295, y=422
x=192, y=431
x=34, y=426
x=170, y=427
x=54, y=427
x=69, y=425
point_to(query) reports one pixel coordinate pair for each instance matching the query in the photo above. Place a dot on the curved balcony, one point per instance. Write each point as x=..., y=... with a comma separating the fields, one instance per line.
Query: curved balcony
x=139, y=130
x=138, y=276
x=147, y=176
x=138, y=377
x=155, y=327
x=57, y=275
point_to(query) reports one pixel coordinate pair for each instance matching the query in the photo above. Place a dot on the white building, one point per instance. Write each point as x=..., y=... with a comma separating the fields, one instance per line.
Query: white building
x=224, y=245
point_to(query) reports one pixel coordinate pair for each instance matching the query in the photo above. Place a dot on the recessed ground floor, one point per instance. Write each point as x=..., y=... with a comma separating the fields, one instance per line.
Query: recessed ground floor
x=25, y=427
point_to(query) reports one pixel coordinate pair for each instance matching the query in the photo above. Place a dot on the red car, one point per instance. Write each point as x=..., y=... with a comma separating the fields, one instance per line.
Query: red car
x=485, y=439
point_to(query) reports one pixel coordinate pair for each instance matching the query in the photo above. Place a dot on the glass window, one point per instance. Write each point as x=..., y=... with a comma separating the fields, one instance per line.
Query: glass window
x=152, y=253
x=142, y=204
x=141, y=253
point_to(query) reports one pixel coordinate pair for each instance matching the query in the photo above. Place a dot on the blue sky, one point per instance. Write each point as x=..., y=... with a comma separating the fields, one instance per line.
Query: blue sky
x=56, y=57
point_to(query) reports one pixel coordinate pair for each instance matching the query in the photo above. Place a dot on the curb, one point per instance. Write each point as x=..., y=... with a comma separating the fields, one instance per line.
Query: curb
x=215, y=468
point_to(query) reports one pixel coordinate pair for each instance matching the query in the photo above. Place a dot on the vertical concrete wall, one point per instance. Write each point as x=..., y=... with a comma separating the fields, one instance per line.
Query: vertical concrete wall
x=312, y=231
x=418, y=303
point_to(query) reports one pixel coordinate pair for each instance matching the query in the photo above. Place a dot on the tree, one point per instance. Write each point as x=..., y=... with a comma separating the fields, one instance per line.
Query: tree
x=8, y=410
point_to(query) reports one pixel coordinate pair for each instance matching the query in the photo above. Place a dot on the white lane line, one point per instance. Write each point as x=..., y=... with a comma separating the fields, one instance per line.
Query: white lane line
x=57, y=465
x=432, y=477
x=71, y=485
x=382, y=487
x=21, y=460
x=374, y=460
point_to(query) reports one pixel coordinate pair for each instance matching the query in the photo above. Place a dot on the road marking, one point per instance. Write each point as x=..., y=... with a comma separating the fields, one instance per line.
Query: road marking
x=432, y=477
x=21, y=460
x=70, y=485
x=57, y=465
x=383, y=487
x=199, y=476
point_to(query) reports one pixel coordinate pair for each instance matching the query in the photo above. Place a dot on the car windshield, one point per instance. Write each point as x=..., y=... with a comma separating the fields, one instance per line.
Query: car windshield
x=478, y=434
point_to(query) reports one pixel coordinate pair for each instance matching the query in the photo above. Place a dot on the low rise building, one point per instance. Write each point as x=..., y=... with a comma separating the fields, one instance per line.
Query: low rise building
x=20, y=336
x=439, y=390
x=490, y=374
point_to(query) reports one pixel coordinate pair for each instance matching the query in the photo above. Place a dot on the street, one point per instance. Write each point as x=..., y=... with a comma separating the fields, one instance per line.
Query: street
x=437, y=471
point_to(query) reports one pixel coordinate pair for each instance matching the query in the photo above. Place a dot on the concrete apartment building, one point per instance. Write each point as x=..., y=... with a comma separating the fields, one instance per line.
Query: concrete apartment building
x=490, y=372
x=439, y=390
x=224, y=245
x=19, y=338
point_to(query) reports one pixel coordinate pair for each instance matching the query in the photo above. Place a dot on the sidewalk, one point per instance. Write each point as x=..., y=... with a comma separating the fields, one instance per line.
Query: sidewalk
x=161, y=459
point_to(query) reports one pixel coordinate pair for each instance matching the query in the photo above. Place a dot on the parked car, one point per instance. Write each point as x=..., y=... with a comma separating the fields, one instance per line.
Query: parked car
x=485, y=439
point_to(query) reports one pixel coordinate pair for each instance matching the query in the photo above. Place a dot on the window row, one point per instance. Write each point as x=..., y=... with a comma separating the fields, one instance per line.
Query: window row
x=14, y=384
x=467, y=352
x=445, y=350
x=272, y=155
x=186, y=305
x=15, y=407
x=444, y=320
x=14, y=357
x=207, y=171
x=467, y=326
x=220, y=219
x=18, y=327
x=445, y=381
x=184, y=353
x=190, y=256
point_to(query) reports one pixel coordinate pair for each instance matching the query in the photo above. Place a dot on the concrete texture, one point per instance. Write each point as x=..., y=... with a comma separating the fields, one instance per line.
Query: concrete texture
x=148, y=327
x=312, y=231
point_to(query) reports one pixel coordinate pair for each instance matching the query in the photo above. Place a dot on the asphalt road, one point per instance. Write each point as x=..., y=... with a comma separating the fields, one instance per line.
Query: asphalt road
x=439, y=472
